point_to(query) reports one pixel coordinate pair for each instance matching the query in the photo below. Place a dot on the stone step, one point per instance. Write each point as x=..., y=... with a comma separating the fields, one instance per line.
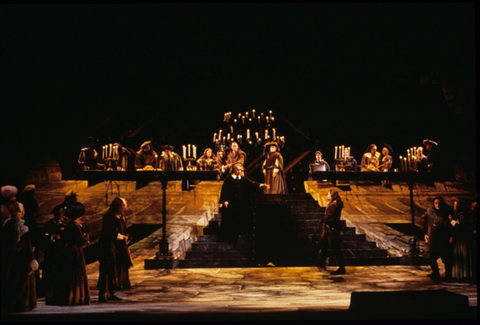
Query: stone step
x=354, y=244
x=216, y=263
x=219, y=246
x=307, y=209
x=362, y=261
x=223, y=255
x=360, y=253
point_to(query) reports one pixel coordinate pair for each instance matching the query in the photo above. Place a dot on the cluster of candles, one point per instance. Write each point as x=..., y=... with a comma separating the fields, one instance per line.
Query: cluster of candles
x=252, y=122
x=110, y=151
x=410, y=162
x=343, y=152
x=189, y=151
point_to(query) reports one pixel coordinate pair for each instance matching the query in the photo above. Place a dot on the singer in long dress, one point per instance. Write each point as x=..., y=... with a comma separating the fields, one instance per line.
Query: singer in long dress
x=273, y=170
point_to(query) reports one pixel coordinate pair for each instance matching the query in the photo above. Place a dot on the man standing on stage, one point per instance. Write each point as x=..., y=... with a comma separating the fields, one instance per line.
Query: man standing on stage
x=235, y=197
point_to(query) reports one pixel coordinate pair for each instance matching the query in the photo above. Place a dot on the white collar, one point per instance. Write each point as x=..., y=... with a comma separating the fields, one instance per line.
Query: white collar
x=235, y=176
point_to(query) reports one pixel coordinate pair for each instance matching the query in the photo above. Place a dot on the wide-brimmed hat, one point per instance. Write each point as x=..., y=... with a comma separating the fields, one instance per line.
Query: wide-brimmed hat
x=145, y=143
x=390, y=150
x=272, y=143
x=168, y=147
x=430, y=141
x=75, y=210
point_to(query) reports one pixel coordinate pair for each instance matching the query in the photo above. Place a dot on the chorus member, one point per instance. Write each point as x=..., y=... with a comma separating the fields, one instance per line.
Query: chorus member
x=273, y=170
x=18, y=263
x=235, y=198
x=438, y=238
x=463, y=242
x=222, y=164
x=386, y=162
x=170, y=160
x=236, y=155
x=146, y=158
x=70, y=287
x=207, y=161
x=331, y=231
x=318, y=165
x=115, y=257
x=432, y=160
x=9, y=195
x=370, y=159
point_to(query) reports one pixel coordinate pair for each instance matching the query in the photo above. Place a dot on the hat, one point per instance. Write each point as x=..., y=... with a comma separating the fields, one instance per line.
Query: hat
x=318, y=151
x=390, y=151
x=57, y=208
x=75, y=210
x=272, y=143
x=8, y=191
x=29, y=188
x=430, y=141
x=168, y=147
x=145, y=143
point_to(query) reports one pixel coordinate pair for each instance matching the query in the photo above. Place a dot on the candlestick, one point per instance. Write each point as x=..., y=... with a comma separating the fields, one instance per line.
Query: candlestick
x=405, y=164
x=246, y=114
x=228, y=136
x=194, y=151
x=266, y=134
x=235, y=121
x=219, y=135
x=239, y=115
x=401, y=163
x=248, y=134
x=266, y=119
x=110, y=151
x=272, y=119
x=223, y=140
x=253, y=113
x=274, y=135
x=270, y=114
x=250, y=121
x=256, y=135
x=185, y=151
x=214, y=137
x=189, y=148
x=259, y=120
x=336, y=152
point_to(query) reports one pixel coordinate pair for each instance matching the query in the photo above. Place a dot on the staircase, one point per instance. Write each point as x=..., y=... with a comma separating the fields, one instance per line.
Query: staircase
x=287, y=233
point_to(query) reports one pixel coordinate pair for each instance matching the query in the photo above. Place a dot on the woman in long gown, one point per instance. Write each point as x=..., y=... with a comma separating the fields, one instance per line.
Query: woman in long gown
x=463, y=242
x=69, y=282
x=273, y=170
x=18, y=263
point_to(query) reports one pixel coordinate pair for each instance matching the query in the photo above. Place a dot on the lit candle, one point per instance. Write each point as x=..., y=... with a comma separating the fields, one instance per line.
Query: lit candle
x=103, y=152
x=348, y=152
x=225, y=117
x=243, y=119
x=266, y=134
x=405, y=164
x=272, y=119
x=266, y=119
x=401, y=162
x=223, y=140
x=228, y=136
x=185, y=151
x=239, y=115
x=270, y=114
x=256, y=135
x=110, y=151
x=194, y=152
x=248, y=134
x=220, y=135
x=214, y=137
x=189, y=148
x=250, y=120
x=259, y=121
x=246, y=114
x=274, y=134
x=235, y=121
x=253, y=113
x=342, y=151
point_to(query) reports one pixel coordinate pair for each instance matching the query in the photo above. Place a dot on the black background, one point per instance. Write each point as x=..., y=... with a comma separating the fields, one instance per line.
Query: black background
x=343, y=73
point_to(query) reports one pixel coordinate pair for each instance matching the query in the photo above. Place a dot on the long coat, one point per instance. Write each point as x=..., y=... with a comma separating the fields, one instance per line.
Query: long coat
x=237, y=218
x=114, y=255
x=437, y=226
x=278, y=184
x=69, y=285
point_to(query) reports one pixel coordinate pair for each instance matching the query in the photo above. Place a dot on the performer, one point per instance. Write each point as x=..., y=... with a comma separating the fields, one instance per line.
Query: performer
x=235, y=156
x=318, y=165
x=331, y=231
x=463, y=242
x=235, y=197
x=386, y=162
x=421, y=160
x=18, y=262
x=9, y=195
x=370, y=159
x=438, y=238
x=170, y=160
x=115, y=257
x=88, y=155
x=70, y=284
x=273, y=170
x=221, y=164
x=146, y=158
x=432, y=157
x=207, y=161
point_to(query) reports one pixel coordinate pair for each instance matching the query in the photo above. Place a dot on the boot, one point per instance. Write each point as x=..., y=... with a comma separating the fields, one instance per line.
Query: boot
x=339, y=271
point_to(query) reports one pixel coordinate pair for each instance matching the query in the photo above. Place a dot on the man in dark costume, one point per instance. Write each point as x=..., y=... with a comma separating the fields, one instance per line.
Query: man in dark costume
x=432, y=156
x=438, y=238
x=318, y=165
x=146, y=158
x=331, y=231
x=236, y=155
x=115, y=257
x=170, y=160
x=88, y=155
x=235, y=197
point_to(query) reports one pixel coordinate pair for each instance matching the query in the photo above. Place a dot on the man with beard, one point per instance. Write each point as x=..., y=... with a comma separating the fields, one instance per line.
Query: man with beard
x=146, y=158
x=235, y=156
x=170, y=160
x=235, y=197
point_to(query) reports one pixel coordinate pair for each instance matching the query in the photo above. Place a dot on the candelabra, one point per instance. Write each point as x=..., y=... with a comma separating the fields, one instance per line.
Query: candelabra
x=411, y=162
x=248, y=130
x=189, y=156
